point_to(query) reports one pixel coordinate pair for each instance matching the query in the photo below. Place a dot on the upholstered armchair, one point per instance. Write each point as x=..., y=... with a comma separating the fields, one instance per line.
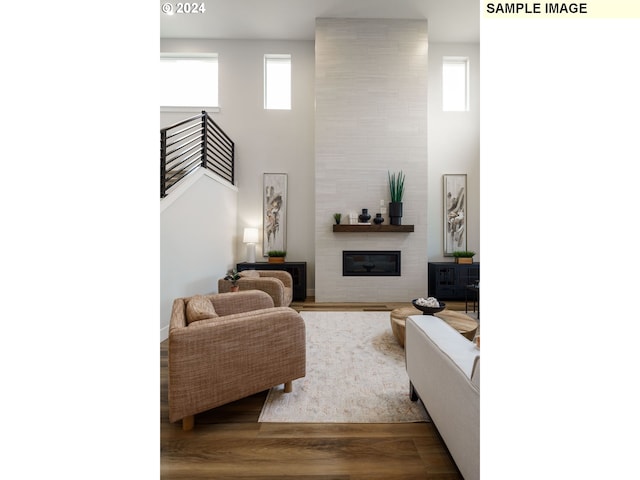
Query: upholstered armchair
x=277, y=283
x=224, y=347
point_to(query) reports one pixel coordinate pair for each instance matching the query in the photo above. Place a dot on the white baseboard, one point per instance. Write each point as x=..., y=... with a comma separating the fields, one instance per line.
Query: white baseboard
x=164, y=333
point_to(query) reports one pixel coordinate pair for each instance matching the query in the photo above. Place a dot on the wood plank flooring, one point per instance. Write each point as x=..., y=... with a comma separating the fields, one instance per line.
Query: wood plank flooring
x=229, y=443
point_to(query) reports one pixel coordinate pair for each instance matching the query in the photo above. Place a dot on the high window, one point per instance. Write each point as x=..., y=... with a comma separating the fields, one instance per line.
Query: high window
x=277, y=82
x=189, y=80
x=455, y=84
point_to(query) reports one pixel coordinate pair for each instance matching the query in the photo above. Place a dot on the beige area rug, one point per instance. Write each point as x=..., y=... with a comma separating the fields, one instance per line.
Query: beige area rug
x=355, y=374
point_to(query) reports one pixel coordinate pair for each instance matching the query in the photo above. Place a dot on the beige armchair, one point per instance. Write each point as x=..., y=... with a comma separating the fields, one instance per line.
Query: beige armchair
x=224, y=347
x=277, y=283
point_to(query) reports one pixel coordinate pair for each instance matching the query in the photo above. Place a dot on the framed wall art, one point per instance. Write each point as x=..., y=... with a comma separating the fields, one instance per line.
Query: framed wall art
x=455, y=213
x=274, y=217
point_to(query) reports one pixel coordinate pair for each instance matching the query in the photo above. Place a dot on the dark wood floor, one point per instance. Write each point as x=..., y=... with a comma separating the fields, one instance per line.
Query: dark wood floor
x=229, y=443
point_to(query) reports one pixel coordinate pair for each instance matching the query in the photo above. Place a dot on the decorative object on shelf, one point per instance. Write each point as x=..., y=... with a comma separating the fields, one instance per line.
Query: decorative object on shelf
x=233, y=276
x=463, y=256
x=364, y=217
x=396, y=191
x=276, y=256
x=455, y=213
x=378, y=219
x=427, y=306
x=250, y=237
x=337, y=217
x=274, y=235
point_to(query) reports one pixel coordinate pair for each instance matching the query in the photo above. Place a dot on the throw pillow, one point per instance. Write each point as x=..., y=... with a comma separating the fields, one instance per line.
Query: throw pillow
x=200, y=307
x=250, y=274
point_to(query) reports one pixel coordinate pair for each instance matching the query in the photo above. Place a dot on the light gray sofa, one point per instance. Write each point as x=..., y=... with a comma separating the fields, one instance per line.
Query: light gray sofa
x=444, y=372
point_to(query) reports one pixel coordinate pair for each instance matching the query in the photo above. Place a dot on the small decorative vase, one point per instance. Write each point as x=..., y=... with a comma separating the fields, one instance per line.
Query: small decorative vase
x=364, y=217
x=378, y=219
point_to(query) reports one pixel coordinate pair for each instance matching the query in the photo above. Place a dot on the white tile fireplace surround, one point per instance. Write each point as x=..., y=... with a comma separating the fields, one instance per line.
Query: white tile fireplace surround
x=371, y=119
x=410, y=284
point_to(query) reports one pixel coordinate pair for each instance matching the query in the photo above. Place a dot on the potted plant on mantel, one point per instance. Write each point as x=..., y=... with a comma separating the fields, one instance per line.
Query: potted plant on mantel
x=233, y=276
x=396, y=191
x=276, y=256
x=464, y=256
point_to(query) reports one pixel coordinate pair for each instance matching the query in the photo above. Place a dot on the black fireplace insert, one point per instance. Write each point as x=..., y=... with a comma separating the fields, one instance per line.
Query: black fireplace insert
x=371, y=263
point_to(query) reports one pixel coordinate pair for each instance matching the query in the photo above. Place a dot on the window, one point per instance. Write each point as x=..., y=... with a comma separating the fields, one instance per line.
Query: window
x=277, y=82
x=455, y=84
x=189, y=80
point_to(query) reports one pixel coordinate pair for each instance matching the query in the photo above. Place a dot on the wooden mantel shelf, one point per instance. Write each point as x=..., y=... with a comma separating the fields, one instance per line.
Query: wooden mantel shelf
x=372, y=228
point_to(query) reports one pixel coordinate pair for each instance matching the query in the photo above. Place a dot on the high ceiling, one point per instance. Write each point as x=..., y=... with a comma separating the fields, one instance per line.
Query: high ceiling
x=448, y=20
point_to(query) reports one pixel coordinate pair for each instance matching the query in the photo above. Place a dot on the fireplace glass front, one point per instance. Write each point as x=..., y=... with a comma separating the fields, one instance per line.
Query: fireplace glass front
x=373, y=263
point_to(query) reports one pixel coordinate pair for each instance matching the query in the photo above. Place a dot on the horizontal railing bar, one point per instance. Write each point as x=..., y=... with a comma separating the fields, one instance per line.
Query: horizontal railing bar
x=219, y=152
x=195, y=134
x=224, y=174
x=181, y=150
x=195, y=117
x=220, y=168
x=217, y=127
x=220, y=134
x=184, y=149
x=212, y=139
x=186, y=173
x=221, y=165
x=177, y=163
x=184, y=166
x=196, y=127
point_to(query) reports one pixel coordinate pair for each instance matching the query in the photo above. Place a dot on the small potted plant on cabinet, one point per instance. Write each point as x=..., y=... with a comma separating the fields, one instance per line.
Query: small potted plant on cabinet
x=276, y=256
x=233, y=276
x=464, y=256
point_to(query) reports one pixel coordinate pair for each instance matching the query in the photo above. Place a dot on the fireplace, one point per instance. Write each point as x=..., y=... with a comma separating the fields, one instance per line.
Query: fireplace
x=370, y=263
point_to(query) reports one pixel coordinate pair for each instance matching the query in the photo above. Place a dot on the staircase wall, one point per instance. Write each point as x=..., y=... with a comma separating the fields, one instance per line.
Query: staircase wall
x=198, y=240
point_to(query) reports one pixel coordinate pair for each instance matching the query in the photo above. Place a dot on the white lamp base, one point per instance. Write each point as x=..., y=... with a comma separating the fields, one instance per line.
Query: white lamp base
x=251, y=252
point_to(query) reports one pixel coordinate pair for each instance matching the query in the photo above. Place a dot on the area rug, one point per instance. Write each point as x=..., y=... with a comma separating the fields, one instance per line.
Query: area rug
x=355, y=374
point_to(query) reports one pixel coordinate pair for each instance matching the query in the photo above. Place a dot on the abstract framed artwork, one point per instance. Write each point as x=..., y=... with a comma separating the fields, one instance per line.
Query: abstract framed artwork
x=274, y=216
x=455, y=213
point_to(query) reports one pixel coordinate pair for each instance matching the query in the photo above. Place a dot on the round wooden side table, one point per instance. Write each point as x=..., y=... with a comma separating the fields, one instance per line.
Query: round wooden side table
x=464, y=324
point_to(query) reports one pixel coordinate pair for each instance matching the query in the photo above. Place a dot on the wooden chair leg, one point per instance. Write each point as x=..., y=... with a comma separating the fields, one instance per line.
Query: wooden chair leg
x=187, y=423
x=288, y=386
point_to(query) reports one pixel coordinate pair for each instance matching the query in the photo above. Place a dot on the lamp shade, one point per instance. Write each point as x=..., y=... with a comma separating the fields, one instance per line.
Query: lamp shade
x=250, y=235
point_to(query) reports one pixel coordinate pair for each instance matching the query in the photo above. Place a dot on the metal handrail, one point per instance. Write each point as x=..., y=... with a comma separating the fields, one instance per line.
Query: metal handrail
x=192, y=143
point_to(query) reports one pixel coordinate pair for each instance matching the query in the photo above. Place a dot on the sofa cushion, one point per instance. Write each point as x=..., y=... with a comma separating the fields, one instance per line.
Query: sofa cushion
x=200, y=307
x=250, y=274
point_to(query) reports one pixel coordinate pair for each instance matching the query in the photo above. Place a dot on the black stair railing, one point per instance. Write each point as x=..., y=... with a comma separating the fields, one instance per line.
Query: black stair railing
x=190, y=144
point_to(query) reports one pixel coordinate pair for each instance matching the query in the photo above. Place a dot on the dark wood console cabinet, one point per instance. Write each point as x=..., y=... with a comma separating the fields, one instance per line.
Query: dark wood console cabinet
x=448, y=280
x=298, y=271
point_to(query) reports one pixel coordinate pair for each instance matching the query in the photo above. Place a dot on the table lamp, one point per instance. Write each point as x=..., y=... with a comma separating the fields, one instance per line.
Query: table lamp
x=251, y=238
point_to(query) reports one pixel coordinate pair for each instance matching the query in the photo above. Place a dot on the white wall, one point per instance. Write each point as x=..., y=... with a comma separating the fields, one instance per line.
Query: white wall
x=371, y=118
x=197, y=241
x=283, y=141
x=454, y=147
x=266, y=141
